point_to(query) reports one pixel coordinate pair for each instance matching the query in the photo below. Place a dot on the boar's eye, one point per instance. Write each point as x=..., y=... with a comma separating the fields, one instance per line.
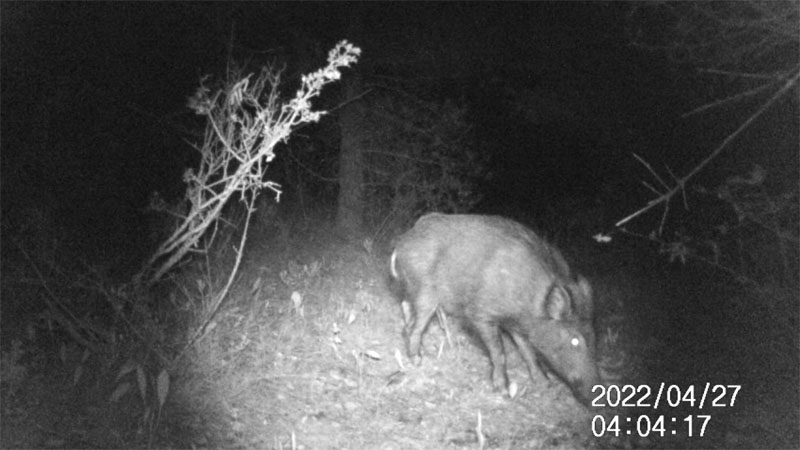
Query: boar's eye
x=575, y=342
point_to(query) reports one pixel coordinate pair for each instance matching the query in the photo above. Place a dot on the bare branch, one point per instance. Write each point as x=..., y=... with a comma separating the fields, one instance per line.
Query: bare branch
x=680, y=183
x=241, y=134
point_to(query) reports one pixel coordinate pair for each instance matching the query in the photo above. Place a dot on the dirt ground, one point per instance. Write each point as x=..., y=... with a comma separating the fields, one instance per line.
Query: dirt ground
x=314, y=359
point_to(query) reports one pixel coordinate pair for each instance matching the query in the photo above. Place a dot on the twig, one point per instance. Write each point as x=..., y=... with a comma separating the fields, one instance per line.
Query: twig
x=202, y=329
x=680, y=183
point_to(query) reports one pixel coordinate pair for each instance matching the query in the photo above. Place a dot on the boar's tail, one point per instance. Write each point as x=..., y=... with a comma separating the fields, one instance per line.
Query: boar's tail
x=393, y=265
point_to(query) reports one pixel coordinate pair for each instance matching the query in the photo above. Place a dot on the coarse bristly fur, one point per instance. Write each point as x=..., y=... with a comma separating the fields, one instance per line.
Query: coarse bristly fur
x=497, y=276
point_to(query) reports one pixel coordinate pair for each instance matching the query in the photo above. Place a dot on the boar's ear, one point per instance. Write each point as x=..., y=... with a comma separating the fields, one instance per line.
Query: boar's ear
x=582, y=302
x=557, y=303
x=584, y=287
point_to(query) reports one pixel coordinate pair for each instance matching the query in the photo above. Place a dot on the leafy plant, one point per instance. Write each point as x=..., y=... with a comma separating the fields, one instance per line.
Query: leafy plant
x=151, y=405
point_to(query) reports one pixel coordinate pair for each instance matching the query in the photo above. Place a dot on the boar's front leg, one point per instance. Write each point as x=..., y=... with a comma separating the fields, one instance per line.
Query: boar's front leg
x=524, y=347
x=490, y=335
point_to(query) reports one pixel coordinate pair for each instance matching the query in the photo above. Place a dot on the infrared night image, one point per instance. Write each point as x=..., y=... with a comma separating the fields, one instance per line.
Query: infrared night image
x=400, y=225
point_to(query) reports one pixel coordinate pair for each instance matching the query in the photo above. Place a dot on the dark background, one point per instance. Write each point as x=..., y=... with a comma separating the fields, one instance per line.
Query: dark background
x=94, y=116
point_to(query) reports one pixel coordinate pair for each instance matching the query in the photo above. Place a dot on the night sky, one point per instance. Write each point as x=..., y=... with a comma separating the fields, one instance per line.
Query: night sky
x=94, y=94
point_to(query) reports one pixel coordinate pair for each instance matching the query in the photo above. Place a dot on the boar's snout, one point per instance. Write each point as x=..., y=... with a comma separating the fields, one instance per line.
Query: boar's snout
x=583, y=387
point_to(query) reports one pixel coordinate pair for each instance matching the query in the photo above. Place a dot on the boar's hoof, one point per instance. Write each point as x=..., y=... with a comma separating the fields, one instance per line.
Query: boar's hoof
x=500, y=384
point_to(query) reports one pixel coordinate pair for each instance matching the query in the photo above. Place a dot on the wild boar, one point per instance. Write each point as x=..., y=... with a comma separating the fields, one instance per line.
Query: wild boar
x=497, y=276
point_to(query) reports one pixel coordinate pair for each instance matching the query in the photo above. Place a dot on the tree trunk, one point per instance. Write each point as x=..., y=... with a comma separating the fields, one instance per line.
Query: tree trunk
x=350, y=205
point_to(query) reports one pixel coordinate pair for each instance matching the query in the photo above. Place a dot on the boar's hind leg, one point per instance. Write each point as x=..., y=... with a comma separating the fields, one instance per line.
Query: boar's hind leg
x=424, y=309
x=490, y=335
